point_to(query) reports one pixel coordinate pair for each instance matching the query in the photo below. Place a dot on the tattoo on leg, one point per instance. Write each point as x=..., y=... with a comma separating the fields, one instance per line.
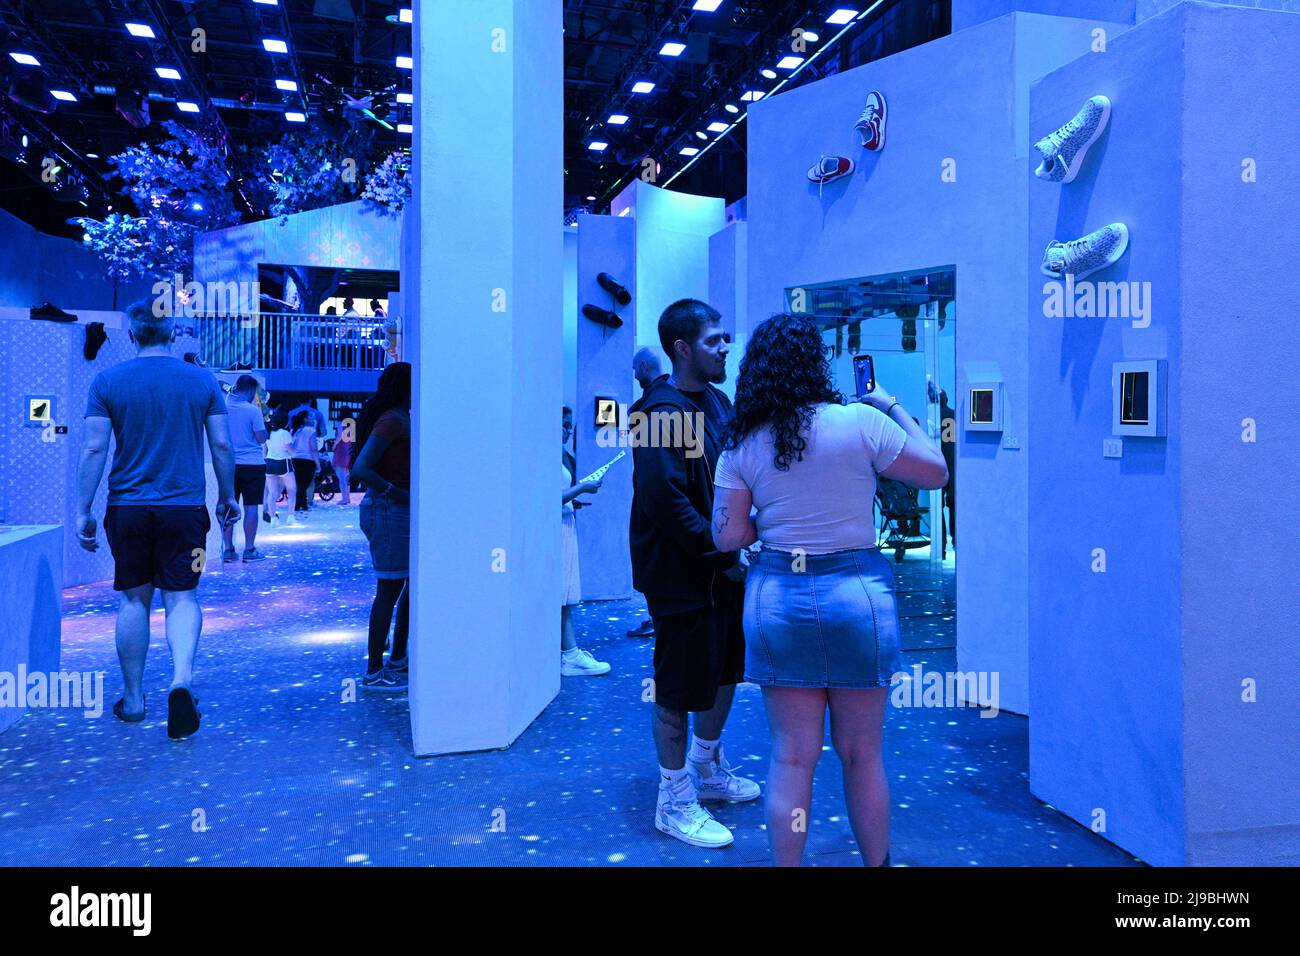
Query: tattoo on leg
x=672, y=723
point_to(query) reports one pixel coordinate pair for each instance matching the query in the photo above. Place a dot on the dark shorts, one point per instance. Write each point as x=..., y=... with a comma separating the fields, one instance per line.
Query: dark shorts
x=162, y=545
x=250, y=484
x=277, y=467
x=697, y=652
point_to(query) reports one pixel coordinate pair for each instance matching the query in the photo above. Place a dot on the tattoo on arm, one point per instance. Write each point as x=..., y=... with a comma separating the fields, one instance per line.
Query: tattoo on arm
x=721, y=521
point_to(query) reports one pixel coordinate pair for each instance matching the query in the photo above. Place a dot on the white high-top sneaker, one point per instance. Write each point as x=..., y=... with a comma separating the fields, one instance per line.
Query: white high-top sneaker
x=717, y=781
x=1082, y=257
x=680, y=815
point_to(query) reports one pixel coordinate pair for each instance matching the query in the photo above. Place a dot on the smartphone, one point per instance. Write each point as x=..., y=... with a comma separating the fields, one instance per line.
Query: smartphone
x=864, y=374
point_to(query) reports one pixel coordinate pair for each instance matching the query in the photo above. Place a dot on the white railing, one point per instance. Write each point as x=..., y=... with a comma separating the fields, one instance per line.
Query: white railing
x=285, y=341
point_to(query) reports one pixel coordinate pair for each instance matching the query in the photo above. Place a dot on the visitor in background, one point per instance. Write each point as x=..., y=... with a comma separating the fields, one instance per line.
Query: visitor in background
x=304, y=458
x=157, y=409
x=821, y=618
x=349, y=307
x=342, y=456
x=248, y=436
x=279, y=473
x=377, y=309
x=384, y=466
x=310, y=406
x=695, y=592
x=948, y=444
x=574, y=661
x=646, y=369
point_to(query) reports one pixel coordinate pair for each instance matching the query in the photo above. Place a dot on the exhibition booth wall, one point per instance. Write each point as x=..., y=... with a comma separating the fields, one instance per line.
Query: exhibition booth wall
x=1164, y=653
x=44, y=361
x=605, y=244
x=346, y=236
x=949, y=189
x=483, y=267
x=41, y=268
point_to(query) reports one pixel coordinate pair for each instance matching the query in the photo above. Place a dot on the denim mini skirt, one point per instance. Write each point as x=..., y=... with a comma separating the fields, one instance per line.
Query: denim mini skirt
x=387, y=527
x=821, y=620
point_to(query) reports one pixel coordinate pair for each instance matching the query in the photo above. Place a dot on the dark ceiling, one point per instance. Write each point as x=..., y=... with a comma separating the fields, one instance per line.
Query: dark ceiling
x=610, y=44
x=342, y=51
x=337, y=49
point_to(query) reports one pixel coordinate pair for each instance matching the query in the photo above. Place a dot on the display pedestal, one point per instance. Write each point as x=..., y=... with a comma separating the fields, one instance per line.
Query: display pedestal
x=31, y=580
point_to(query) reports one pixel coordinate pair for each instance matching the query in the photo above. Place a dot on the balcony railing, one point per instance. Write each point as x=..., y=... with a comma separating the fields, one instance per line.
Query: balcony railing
x=285, y=341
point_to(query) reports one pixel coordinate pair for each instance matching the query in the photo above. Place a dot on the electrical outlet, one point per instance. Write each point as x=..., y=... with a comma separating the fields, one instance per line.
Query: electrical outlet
x=1112, y=448
x=1010, y=441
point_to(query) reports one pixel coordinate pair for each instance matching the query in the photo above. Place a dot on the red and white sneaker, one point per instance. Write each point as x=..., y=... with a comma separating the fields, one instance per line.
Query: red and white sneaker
x=830, y=168
x=871, y=125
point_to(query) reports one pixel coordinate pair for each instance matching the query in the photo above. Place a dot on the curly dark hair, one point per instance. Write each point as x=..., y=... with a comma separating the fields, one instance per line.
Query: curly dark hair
x=783, y=375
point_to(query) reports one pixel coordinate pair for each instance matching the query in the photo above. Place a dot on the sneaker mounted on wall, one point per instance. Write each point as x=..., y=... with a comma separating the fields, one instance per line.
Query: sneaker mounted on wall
x=602, y=316
x=829, y=168
x=1063, y=151
x=1086, y=255
x=871, y=124
x=614, y=288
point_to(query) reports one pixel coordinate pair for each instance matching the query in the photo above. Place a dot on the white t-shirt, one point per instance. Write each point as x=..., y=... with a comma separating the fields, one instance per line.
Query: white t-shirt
x=824, y=502
x=277, y=446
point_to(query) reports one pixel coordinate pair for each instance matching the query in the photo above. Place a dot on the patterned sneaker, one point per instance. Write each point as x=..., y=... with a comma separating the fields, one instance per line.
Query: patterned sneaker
x=717, y=781
x=829, y=168
x=1091, y=253
x=871, y=125
x=400, y=666
x=679, y=814
x=1062, y=152
x=383, y=681
x=580, y=663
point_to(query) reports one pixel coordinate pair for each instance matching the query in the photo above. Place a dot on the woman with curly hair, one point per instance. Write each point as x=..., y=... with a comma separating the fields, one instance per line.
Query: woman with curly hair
x=821, y=621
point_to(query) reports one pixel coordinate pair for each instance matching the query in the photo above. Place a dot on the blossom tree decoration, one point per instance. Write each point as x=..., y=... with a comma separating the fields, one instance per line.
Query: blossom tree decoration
x=388, y=187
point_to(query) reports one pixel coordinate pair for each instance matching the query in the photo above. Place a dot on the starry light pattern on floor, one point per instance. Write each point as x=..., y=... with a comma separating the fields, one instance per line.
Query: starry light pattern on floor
x=283, y=773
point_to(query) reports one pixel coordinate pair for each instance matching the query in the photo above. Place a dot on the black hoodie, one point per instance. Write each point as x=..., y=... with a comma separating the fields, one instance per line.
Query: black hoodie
x=674, y=562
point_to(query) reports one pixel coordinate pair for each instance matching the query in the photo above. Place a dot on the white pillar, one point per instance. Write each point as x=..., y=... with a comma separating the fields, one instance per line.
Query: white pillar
x=483, y=286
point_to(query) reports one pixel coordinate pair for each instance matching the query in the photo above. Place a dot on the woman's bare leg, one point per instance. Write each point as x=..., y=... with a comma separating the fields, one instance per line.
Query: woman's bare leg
x=857, y=729
x=797, y=717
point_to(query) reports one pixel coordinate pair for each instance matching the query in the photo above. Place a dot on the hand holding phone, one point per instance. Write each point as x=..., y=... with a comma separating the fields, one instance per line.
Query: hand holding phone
x=864, y=375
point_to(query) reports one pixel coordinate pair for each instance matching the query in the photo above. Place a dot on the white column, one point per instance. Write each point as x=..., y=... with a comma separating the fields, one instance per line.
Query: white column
x=483, y=288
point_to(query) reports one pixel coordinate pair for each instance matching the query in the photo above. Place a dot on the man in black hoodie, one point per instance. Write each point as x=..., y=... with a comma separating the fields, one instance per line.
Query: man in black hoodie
x=695, y=593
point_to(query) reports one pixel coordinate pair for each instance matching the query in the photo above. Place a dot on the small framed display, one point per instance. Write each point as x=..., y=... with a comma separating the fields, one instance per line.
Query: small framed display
x=606, y=412
x=1138, y=398
x=984, y=407
x=40, y=410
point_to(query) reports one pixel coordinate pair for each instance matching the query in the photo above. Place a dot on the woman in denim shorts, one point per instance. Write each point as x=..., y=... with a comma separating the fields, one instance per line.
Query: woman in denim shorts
x=384, y=466
x=821, y=621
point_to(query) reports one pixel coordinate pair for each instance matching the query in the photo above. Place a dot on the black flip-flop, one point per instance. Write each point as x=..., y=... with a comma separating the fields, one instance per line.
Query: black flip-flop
x=182, y=713
x=119, y=711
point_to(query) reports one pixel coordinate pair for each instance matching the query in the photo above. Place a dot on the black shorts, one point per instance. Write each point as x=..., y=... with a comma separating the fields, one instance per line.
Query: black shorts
x=162, y=545
x=277, y=467
x=696, y=652
x=250, y=484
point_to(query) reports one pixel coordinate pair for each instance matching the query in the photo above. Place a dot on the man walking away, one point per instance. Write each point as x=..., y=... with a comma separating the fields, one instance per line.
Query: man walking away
x=248, y=436
x=157, y=409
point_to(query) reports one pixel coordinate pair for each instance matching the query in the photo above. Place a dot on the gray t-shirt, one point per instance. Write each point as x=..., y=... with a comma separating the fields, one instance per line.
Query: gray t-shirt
x=246, y=421
x=158, y=408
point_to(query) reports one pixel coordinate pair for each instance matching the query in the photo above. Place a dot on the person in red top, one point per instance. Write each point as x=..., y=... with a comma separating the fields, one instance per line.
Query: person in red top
x=384, y=466
x=343, y=453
